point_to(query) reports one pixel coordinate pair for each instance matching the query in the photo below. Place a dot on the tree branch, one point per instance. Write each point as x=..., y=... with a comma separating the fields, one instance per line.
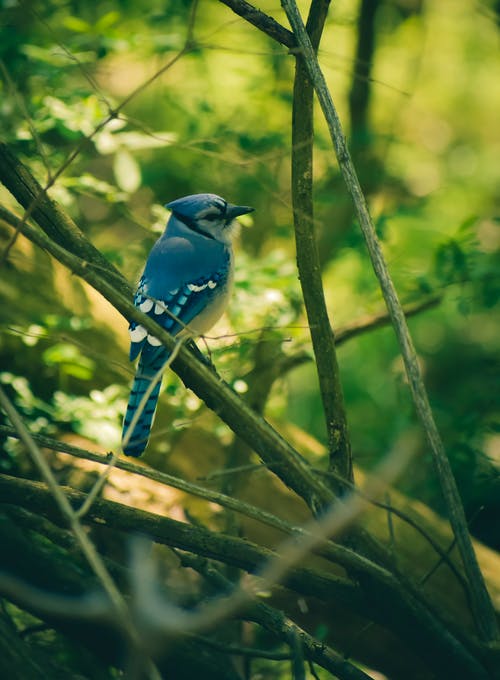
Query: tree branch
x=481, y=603
x=371, y=322
x=329, y=550
x=359, y=93
x=262, y=21
x=238, y=552
x=277, y=364
x=381, y=597
x=55, y=222
x=163, y=478
x=339, y=449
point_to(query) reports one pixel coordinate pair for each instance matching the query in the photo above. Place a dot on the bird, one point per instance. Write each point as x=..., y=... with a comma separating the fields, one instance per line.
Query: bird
x=185, y=287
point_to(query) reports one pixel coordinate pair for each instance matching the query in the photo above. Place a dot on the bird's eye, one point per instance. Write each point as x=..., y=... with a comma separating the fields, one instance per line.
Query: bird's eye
x=211, y=217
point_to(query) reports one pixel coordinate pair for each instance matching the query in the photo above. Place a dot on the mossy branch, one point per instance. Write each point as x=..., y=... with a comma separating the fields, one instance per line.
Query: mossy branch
x=308, y=261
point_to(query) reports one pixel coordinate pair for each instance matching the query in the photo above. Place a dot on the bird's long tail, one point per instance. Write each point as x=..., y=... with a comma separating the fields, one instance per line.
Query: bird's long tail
x=135, y=435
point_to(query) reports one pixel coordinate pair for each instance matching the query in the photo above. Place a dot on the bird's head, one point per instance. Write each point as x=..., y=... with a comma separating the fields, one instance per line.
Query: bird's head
x=208, y=214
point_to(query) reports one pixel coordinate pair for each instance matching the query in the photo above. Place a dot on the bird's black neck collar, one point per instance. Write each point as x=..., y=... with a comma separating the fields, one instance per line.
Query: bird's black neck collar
x=194, y=226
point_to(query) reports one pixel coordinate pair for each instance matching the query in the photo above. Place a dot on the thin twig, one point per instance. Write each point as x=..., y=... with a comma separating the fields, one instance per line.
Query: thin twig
x=237, y=650
x=372, y=322
x=97, y=488
x=88, y=607
x=443, y=558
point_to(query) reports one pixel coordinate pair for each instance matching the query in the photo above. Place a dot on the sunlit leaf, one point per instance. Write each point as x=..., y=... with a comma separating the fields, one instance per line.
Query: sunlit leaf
x=127, y=171
x=70, y=360
x=107, y=20
x=77, y=24
x=107, y=142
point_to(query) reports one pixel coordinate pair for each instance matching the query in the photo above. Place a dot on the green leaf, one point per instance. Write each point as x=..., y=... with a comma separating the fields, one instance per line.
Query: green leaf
x=77, y=25
x=450, y=262
x=70, y=360
x=127, y=171
x=52, y=56
x=106, y=21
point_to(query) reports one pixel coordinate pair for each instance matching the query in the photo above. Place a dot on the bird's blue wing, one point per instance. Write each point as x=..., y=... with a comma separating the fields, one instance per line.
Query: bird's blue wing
x=173, y=309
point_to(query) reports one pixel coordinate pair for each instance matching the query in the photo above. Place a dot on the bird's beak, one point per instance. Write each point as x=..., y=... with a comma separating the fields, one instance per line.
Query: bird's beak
x=233, y=211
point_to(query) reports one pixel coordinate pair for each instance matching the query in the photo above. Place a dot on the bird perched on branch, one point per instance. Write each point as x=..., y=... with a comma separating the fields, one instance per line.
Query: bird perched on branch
x=185, y=288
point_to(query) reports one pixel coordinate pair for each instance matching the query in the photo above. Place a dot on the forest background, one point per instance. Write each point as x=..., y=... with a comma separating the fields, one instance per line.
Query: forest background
x=118, y=109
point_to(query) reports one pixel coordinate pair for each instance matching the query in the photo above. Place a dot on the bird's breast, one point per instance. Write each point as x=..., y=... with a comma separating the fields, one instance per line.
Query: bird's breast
x=215, y=308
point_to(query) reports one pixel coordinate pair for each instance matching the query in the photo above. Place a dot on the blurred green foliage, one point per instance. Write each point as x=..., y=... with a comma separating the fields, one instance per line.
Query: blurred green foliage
x=218, y=119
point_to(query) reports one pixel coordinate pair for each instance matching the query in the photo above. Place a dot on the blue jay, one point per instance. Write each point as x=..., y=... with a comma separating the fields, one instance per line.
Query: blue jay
x=185, y=287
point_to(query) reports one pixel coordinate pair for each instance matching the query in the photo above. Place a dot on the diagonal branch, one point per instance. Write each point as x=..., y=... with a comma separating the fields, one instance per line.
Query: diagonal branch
x=55, y=222
x=262, y=21
x=481, y=603
x=371, y=322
